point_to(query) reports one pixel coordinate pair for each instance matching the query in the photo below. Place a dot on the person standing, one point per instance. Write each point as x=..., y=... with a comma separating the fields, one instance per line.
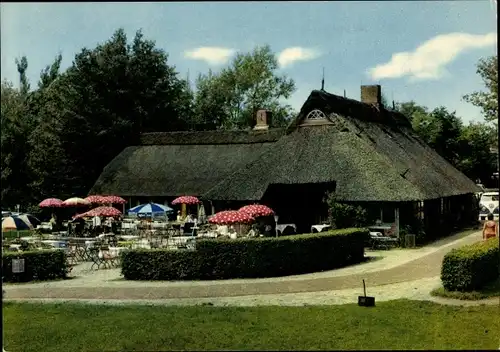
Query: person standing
x=490, y=228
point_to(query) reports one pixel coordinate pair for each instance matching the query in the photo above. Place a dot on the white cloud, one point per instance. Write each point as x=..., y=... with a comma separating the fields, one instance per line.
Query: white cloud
x=290, y=55
x=428, y=61
x=210, y=54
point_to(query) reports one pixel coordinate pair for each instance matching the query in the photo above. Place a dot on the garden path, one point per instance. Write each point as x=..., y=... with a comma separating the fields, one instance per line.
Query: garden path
x=407, y=268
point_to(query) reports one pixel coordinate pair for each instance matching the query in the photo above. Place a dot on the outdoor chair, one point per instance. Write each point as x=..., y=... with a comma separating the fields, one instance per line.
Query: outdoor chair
x=109, y=259
x=382, y=242
x=94, y=257
x=188, y=229
x=72, y=254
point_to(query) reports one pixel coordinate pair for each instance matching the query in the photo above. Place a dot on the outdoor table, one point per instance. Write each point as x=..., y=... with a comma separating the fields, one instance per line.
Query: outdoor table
x=320, y=228
x=128, y=226
x=89, y=244
x=210, y=234
x=129, y=237
x=113, y=251
x=281, y=227
x=28, y=238
x=380, y=227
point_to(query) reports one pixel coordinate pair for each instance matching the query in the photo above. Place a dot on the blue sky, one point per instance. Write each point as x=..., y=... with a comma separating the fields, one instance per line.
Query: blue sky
x=422, y=51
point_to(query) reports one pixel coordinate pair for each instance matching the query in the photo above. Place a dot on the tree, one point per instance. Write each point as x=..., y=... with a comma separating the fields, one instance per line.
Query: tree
x=441, y=130
x=97, y=107
x=231, y=98
x=50, y=73
x=467, y=147
x=15, y=130
x=476, y=159
x=22, y=67
x=411, y=110
x=487, y=101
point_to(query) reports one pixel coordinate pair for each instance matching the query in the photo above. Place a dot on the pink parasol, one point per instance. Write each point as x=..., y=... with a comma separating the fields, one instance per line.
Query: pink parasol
x=95, y=199
x=51, y=203
x=104, y=211
x=75, y=202
x=114, y=200
x=186, y=200
x=231, y=217
x=257, y=210
x=82, y=215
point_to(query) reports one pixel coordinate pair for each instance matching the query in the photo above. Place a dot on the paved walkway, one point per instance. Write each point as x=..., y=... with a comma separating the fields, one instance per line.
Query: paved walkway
x=106, y=285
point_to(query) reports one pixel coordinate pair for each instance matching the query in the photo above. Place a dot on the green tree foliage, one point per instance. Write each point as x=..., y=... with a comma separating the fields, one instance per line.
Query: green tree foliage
x=476, y=159
x=229, y=99
x=343, y=215
x=13, y=138
x=488, y=101
x=467, y=147
x=98, y=106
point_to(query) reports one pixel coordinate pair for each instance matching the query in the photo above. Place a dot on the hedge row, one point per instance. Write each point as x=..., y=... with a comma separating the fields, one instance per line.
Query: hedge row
x=470, y=267
x=249, y=257
x=38, y=265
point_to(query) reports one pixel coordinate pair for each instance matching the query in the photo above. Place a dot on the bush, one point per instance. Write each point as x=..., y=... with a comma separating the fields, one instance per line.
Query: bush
x=248, y=257
x=470, y=267
x=342, y=215
x=38, y=265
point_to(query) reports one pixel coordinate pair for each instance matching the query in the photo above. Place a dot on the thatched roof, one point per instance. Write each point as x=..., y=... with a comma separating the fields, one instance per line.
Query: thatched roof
x=372, y=155
x=172, y=164
x=211, y=137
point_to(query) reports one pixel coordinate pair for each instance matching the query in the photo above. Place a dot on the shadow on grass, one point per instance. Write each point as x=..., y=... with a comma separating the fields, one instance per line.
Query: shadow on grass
x=489, y=291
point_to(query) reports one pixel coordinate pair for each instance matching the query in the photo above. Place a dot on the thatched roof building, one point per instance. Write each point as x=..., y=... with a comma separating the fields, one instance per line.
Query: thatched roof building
x=370, y=153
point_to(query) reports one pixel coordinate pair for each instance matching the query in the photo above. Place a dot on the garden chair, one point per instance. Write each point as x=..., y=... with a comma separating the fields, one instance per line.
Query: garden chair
x=72, y=254
x=109, y=259
x=382, y=242
x=94, y=257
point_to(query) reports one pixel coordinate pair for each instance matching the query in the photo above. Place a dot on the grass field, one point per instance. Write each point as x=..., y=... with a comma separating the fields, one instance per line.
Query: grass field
x=489, y=291
x=399, y=324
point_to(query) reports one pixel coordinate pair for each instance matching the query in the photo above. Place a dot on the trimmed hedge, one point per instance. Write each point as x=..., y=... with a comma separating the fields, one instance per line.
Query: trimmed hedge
x=248, y=257
x=38, y=265
x=470, y=267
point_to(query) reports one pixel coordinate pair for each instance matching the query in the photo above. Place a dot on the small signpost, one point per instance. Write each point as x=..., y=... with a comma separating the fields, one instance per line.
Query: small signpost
x=17, y=266
x=365, y=301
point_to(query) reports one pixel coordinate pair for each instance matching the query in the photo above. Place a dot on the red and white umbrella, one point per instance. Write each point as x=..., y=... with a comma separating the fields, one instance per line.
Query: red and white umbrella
x=75, y=202
x=257, y=210
x=51, y=203
x=104, y=212
x=95, y=199
x=229, y=217
x=186, y=200
x=82, y=215
x=114, y=200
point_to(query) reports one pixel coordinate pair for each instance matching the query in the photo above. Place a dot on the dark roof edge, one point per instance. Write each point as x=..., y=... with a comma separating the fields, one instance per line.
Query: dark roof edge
x=331, y=103
x=211, y=137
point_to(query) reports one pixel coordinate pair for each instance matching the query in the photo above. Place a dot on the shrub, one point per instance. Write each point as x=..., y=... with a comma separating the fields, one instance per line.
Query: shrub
x=248, y=257
x=342, y=215
x=38, y=265
x=470, y=267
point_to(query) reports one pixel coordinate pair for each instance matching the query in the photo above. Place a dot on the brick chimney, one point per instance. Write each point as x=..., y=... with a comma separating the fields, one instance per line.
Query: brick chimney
x=371, y=95
x=263, y=120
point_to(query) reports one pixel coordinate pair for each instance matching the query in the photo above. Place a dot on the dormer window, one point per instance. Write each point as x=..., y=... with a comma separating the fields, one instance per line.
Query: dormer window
x=316, y=115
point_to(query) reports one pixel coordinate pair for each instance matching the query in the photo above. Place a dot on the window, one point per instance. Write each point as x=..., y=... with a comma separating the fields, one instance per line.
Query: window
x=316, y=115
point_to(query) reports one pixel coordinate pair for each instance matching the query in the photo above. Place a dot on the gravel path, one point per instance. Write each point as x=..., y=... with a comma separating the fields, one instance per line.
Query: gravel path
x=421, y=266
x=413, y=290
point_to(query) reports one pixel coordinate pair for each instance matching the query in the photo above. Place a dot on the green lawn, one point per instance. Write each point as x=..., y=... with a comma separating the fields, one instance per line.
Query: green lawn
x=489, y=291
x=391, y=325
